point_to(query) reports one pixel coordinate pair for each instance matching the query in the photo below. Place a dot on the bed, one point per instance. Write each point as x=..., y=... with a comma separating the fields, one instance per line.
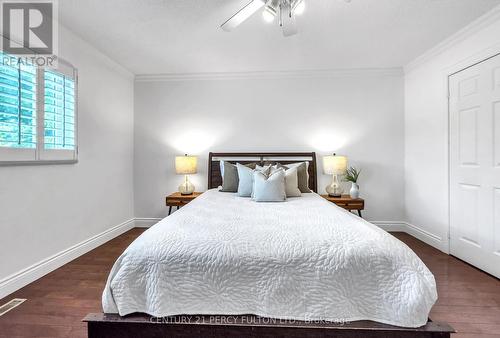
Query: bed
x=223, y=264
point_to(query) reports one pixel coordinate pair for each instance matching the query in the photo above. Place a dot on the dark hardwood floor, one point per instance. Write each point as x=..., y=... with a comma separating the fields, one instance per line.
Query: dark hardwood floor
x=469, y=299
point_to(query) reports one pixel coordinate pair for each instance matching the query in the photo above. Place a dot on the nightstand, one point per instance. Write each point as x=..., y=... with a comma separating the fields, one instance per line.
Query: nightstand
x=347, y=202
x=178, y=200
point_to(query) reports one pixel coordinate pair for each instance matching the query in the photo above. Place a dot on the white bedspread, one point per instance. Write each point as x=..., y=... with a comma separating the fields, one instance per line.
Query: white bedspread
x=304, y=259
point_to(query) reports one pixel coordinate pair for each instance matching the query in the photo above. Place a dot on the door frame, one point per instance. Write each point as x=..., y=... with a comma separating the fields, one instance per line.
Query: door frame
x=468, y=62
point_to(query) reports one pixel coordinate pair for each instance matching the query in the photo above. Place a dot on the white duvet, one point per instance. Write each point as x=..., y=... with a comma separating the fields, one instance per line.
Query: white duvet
x=304, y=259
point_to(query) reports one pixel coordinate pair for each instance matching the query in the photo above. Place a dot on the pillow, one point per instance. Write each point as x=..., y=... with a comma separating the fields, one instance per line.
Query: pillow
x=221, y=166
x=302, y=174
x=229, y=174
x=263, y=168
x=269, y=189
x=245, y=177
x=291, y=182
x=268, y=163
x=266, y=170
x=229, y=177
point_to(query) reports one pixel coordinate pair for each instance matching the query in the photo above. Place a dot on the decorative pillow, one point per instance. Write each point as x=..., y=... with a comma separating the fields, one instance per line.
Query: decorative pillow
x=229, y=174
x=245, y=176
x=221, y=166
x=269, y=189
x=291, y=182
x=302, y=174
x=229, y=177
x=264, y=168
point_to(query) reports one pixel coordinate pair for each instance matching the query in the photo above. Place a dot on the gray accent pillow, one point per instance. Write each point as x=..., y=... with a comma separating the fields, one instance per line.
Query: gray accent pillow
x=269, y=188
x=245, y=176
x=302, y=174
x=229, y=174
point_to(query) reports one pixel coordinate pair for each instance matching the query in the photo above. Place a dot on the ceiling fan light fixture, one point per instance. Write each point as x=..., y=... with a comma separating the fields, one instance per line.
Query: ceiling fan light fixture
x=284, y=10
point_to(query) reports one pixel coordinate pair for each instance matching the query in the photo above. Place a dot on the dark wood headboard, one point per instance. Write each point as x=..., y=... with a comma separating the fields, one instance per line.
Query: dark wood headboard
x=214, y=174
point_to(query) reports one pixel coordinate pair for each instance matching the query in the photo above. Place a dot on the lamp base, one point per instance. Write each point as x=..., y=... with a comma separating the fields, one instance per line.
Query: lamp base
x=186, y=188
x=334, y=189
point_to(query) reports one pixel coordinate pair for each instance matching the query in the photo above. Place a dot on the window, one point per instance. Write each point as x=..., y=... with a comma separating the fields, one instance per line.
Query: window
x=37, y=113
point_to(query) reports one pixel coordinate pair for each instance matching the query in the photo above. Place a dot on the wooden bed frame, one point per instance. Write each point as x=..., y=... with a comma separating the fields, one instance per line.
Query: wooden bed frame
x=102, y=325
x=215, y=177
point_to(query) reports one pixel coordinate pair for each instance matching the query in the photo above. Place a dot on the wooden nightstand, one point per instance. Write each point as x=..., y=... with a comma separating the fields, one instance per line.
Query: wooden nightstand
x=347, y=202
x=178, y=200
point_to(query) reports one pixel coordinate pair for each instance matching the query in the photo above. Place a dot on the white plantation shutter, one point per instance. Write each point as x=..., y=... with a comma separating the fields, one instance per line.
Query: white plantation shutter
x=18, y=111
x=59, y=122
x=38, y=113
x=60, y=112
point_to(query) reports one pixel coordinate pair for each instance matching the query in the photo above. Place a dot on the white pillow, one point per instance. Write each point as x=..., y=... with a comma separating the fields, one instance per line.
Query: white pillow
x=266, y=170
x=245, y=175
x=263, y=168
x=269, y=188
x=303, y=179
x=291, y=182
x=221, y=165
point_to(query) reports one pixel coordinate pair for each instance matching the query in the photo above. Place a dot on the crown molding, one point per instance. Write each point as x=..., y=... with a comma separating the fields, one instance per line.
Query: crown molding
x=480, y=23
x=319, y=73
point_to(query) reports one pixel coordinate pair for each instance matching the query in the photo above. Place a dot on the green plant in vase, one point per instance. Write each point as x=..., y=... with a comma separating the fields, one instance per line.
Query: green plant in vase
x=352, y=175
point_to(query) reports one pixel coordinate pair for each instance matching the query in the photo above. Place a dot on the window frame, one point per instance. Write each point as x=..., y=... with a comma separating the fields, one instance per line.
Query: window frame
x=40, y=155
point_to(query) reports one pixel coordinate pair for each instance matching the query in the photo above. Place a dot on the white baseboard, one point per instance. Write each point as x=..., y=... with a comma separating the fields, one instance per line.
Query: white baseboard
x=390, y=226
x=28, y=275
x=415, y=231
x=146, y=222
x=427, y=237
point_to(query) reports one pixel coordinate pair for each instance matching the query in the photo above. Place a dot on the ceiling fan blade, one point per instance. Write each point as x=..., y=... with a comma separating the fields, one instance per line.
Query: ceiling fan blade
x=288, y=22
x=242, y=15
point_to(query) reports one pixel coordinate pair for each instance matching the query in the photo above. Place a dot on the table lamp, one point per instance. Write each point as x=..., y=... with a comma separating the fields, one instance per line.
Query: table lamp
x=186, y=165
x=336, y=166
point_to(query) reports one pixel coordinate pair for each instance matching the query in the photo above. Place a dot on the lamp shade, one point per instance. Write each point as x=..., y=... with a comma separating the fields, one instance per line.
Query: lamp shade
x=185, y=165
x=334, y=164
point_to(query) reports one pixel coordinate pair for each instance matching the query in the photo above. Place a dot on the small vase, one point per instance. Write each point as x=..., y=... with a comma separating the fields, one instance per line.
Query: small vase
x=354, y=192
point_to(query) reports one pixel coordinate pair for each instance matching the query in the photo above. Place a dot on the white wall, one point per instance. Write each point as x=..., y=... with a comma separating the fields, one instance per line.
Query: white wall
x=426, y=125
x=48, y=208
x=359, y=114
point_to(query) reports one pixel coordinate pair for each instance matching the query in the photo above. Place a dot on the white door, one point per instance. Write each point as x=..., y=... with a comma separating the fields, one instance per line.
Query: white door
x=475, y=165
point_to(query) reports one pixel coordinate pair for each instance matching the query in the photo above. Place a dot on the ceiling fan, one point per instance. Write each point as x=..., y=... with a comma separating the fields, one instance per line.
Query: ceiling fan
x=284, y=10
